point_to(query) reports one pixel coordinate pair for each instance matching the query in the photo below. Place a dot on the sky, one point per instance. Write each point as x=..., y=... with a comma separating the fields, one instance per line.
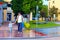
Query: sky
x=45, y=2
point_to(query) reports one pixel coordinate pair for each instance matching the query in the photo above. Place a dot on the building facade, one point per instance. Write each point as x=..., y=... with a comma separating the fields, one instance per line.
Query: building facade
x=55, y=3
x=1, y=13
x=6, y=12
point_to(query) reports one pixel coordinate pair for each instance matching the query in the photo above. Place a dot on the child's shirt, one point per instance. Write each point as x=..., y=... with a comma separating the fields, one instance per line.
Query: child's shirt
x=10, y=25
x=25, y=20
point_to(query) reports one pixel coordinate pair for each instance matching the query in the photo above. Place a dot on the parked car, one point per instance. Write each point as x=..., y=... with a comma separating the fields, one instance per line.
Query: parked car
x=34, y=18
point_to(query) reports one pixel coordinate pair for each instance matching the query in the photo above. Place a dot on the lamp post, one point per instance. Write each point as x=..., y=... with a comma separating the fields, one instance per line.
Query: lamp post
x=37, y=13
x=7, y=0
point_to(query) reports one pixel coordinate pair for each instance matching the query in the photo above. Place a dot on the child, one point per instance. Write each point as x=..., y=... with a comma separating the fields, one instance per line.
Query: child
x=10, y=26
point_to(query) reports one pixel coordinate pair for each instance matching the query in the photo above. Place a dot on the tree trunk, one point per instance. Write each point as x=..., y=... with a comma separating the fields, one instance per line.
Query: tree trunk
x=30, y=16
x=42, y=18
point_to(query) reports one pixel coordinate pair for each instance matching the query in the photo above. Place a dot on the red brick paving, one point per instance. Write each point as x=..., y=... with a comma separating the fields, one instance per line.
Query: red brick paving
x=40, y=33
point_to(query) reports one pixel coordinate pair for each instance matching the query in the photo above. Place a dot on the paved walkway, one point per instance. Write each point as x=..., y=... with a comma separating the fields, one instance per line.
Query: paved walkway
x=4, y=32
x=57, y=22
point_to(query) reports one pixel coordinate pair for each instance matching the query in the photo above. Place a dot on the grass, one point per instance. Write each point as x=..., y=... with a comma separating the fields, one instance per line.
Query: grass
x=47, y=25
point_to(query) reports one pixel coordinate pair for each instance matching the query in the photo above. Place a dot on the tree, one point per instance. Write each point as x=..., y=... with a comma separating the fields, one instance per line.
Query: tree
x=17, y=6
x=38, y=3
x=52, y=11
x=25, y=5
x=44, y=11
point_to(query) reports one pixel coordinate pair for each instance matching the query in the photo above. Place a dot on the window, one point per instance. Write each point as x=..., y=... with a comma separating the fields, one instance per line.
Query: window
x=53, y=2
x=9, y=5
x=4, y=5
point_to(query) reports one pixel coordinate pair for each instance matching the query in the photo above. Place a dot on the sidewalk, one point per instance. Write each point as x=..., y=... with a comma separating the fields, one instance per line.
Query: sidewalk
x=57, y=22
x=4, y=32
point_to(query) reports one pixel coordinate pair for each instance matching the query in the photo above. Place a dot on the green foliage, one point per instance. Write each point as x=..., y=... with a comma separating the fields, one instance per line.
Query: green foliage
x=34, y=4
x=17, y=6
x=44, y=11
x=25, y=5
x=47, y=25
x=52, y=11
x=45, y=8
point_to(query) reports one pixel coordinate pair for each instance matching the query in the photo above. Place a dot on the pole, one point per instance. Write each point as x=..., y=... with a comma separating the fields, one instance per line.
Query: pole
x=36, y=14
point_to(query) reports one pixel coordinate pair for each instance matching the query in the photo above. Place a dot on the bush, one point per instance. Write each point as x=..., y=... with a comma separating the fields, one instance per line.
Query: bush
x=34, y=21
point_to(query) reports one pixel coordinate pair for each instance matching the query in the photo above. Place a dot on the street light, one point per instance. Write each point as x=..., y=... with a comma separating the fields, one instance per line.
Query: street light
x=37, y=10
x=7, y=0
